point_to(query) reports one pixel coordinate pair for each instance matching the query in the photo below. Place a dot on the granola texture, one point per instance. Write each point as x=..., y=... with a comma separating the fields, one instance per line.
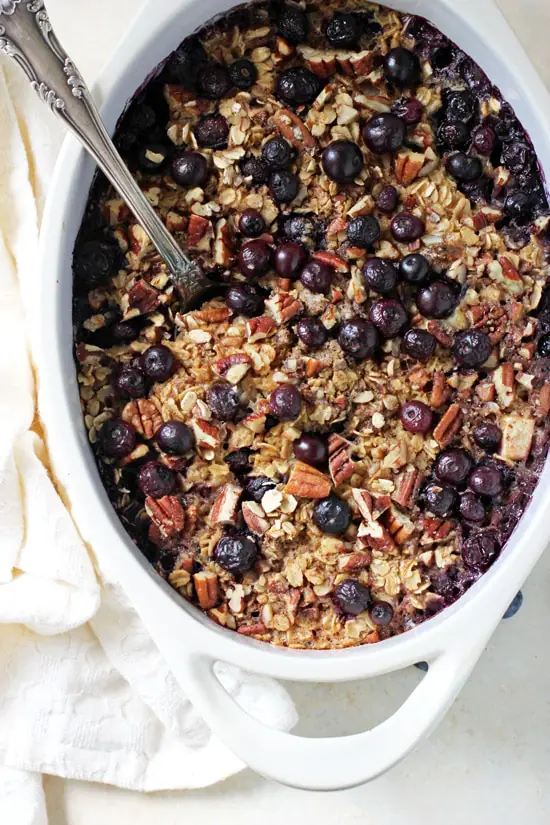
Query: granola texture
x=381, y=530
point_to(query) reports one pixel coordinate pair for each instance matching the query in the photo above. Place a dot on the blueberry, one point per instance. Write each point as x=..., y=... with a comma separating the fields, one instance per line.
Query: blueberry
x=332, y=515
x=317, y=277
x=438, y=300
x=352, y=597
x=453, y=134
x=454, y=466
x=190, y=169
x=384, y=133
x=95, y=261
x=410, y=110
x=175, y=438
x=342, y=161
x=358, y=337
x=224, y=401
x=236, y=554
x=387, y=199
x=312, y=332
x=243, y=74
x=380, y=275
x=255, y=258
x=543, y=346
x=300, y=228
x=416, y=417
x=343, y=30
x=152, y=156
x=251, y=223
x=297, y=86
x=311, y=449
x=290, y=258
x=283, y=186
x=245, y=299
x=419, y=344
x=442, y=57
x=471, y=348
x=141, y=118
x=402, y=67
x=414, y=268
x=256, y=169
x=117, y=438
x=239, y=462
x=212, y=131
x=516, y=156
x=471, y=509
x=488, y=436
x=158, y=363
x=131, y=383
x=126, y=331
x=277, y=153
x=480, y=551
x=440, y=499
x=363, y=231
x=214, y=81
x=465, y=168
x=518, y=206
x=483, y=140
x=292, y=24
x=257, y=486
x=459, y=105
x=515, y=605
x=285, y=402
x=156, y=480
x=388, y=316
x=486, y=481
x=407, y=227
x=186, y=62
x=381, y=613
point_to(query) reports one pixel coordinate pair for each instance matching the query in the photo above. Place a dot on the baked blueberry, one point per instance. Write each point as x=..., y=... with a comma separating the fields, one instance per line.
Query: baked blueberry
x=257, y=486
x=363, y=231
x=488, y=436
x=486, y=481
x=312, y=332
x=332, y=515
x=236, y=554
x=483, y=140
x=175, y=438
x=472, y=509
x=290, y=258
x=480, y=551
x=156, y=480
x=126, y=331
x=437, y=300
x=277, y=153
x=459, y=105
x=410, y=110
x=251, y=223
x=212, y=132
x=381, y=613
x=471, y=348
x=415, y=268
x=95, y=261
x=380, y=275
x=255, y=258
x=518, y=206
x=402, y=67
x=186, y=62
x=256, y=169
x=419, y=344
x=131, y=383
x=214, y=81
x=301, y=229
x=297, y=86
x=463, y=167
x=416, y=417
x=152, y=156
x=352, y=597
x=190, y=169
x=342, y=161
x=317, y=277
x=245, y=299
x=343, y=30
x=224, y=401
x=453, y=134
x=158, y=363
x=516, y=156
x=243, y=74
x=311, y=449
x=117, y=438
x=387, y=199
x=388, y=316
x=543, y=346
x=384, y=133
x=358, y=337
x=454, y=466
x=285, y=402
x=283, y=186
x=440, y=499
x=239, y=463
x=407, y=227
x=292, y=24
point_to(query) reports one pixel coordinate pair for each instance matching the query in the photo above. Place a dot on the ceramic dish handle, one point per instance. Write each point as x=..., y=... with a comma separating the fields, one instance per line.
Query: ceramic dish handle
x=331, y=763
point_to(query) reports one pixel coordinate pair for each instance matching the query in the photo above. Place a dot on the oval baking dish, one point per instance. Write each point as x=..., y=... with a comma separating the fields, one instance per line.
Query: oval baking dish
x=452, y=641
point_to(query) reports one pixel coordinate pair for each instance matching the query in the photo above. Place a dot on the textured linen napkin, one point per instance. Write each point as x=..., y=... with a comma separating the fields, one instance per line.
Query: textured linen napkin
x=84, y=692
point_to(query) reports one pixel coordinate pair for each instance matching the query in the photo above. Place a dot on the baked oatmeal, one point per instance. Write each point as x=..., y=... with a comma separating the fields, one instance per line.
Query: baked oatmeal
x=341, y=441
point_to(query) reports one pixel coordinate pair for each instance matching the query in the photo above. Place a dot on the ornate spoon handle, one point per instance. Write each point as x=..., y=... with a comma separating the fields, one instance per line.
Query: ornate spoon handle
x=27, y=36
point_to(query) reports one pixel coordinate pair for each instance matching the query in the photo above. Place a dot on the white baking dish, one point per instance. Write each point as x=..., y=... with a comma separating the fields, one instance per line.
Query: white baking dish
x=191, y=643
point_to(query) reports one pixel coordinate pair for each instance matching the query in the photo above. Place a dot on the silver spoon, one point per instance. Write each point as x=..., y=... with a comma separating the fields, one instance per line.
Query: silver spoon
x=27, y=36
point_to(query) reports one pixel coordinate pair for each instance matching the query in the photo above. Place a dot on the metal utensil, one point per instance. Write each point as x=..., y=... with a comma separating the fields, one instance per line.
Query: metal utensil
x=27, y=36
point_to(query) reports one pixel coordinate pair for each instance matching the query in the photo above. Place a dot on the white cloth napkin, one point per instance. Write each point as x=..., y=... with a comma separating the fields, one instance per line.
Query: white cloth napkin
x=84, y=693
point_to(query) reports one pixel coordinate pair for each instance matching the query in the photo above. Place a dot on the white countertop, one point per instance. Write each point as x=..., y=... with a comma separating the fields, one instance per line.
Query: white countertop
x=488, y=763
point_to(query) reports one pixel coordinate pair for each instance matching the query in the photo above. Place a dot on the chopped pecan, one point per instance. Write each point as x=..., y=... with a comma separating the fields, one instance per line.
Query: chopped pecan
x=258, y=328
x=340, y=463
x=313, y=367
x=355, y=64
x=143, y=415
x=233, y=367
x=517, y=437
x=224, y=245
x=283, y=307
x=491, y=319
x=399, y=525
x=544, y=400
x=167, y=513
x=364, y=502
x=354, y=562
x=254, y=518
x=226, y=506
x=176, y=222
x=441, y=335
x=506, y=275
x=137, y=454
x=207, y=589
x=140, y=242
x=408, y=484
x=375, y=535
x=449, y=425
x=408, y=166
x=323, y=64
x=332, y=260
x=257, y=629
x=440, y=391
x=200, y=233
x=485, y=391
x=212, y=315
x=206, y=433
x=335, y=227
x=294, y=129
x=307, y=482
x=503, y=378
x=434, y=530
x=143, y=297
x=255, y=422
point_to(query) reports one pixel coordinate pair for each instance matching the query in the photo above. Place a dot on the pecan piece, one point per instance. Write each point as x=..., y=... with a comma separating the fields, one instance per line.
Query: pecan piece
x=440, y=391
x=293, y=129
x=503, y=378
x=283, y=307
x=254, y=518
x=167, y=513
x=399, y=525
x=449, y=425
x=206, y=433
x=407, y=487
x=224, y=245
x=259, y=328
x=339, y=461
x=517, y=437
x=199, y=233
x=226, y=506
x=441, y=335
x=143, y=415
x=212, y=315
x=491, y=319
x=233, y=367
x=375, y=535
x=354, y=562
x=206, y=588
x=408, y=166
x=320, y=63
x=332, y=260
x=307, y=482
x=143, y=297
x=257, y=629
